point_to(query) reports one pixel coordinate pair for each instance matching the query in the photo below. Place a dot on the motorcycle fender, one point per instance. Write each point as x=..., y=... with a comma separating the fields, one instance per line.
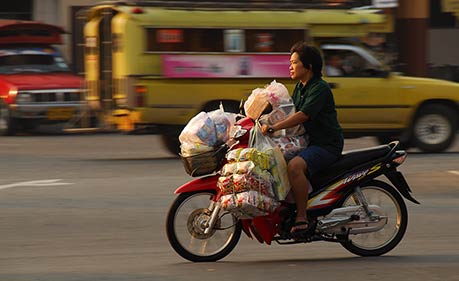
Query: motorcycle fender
x=246, y=227
x=398, y=180
x=200, y=184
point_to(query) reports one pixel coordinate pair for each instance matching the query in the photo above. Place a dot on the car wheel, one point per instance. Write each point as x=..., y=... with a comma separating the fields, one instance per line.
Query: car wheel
x=7, y=123
x=434, y=128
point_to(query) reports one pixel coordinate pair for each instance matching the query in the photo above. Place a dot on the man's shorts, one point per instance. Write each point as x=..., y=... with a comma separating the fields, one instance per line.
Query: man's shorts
x=317, y=158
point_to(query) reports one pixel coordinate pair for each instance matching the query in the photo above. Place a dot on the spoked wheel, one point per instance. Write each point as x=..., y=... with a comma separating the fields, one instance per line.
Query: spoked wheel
x=186, y=223
x=382, y=241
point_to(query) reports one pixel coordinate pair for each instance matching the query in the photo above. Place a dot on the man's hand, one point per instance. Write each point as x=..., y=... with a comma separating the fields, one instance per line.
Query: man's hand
x=265, y=129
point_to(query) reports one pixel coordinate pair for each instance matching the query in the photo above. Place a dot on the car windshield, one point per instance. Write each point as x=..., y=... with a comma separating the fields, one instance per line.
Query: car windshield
x=39, y=60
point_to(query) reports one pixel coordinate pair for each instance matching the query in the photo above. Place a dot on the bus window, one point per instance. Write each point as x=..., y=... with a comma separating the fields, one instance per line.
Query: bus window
x=234, y=40
x=184, y=40
x=265, y=40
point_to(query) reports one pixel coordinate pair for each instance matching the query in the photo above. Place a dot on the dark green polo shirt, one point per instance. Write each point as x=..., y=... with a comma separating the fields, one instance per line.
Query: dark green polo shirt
x=315, y=99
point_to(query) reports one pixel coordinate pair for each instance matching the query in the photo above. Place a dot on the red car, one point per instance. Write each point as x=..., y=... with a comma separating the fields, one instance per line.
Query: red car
x=36, y=85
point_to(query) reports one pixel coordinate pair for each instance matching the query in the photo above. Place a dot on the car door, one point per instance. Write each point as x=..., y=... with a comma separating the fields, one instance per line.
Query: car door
x=366, y=97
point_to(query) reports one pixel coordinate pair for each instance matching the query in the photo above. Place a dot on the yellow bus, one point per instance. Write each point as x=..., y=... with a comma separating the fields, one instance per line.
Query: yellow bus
x=158, y=66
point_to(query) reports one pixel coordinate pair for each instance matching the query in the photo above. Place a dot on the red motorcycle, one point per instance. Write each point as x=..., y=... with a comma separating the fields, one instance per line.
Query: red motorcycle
x=348, y=205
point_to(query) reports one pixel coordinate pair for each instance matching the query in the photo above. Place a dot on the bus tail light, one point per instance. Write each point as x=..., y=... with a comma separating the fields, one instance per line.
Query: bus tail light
x=137, y=10
x=140, y=92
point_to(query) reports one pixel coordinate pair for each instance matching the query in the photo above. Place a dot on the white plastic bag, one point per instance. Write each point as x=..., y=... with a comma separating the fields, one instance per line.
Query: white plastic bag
x=278, y=166
x=200, y=129
x=278, y=94
x=223, y=122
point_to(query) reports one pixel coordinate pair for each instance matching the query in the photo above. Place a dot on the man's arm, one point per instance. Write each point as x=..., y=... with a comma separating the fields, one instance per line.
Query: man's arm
x=291, y=121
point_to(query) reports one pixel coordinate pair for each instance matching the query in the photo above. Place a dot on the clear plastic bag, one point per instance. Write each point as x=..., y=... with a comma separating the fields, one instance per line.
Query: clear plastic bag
x=279, y=165
x=200, y=129
x=223, y=122
x=291, y=146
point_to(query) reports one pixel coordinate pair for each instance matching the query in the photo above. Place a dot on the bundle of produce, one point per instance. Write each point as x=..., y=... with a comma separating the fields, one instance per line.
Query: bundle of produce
x=248, y=204
x=243, y=176
x=249, y=154
x=246, y=183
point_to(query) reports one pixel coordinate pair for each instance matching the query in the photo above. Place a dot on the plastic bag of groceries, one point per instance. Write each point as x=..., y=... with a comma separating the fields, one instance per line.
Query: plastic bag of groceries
x=281, y=113
x=279, y=165
x=223, y=123
x=260, y=99
x=205, y=131
x=200, y=129
x=256, y=103
x=277, y=94
x=243, y=176
x=260, y=159
x=248, y=204
x=291, y=146
x=236, y=183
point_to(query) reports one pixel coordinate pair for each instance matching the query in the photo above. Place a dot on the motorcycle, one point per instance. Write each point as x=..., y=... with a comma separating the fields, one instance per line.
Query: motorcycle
x=348, y=205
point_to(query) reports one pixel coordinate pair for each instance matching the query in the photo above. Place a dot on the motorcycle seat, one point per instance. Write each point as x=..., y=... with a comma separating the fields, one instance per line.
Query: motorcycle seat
x=349, y=160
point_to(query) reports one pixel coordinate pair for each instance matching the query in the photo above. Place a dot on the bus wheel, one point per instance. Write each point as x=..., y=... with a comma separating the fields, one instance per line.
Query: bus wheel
x=172, y=143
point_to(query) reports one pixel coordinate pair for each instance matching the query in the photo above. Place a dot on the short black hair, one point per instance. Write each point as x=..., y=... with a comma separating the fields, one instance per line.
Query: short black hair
x=309, y=56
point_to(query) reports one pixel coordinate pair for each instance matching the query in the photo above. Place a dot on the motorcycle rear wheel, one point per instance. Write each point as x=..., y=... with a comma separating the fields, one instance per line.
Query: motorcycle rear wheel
x=185, y=225
x=384, y=240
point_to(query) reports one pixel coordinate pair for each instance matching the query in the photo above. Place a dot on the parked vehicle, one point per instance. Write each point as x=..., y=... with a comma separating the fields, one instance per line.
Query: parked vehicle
x=349, y=205
x=36, y=85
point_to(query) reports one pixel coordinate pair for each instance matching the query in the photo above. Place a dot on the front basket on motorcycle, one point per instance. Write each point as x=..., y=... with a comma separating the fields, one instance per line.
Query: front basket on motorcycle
x=204, y=163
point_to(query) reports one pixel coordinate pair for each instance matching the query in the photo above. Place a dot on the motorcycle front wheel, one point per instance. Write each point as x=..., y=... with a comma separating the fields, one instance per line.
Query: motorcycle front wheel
x=186, y=223
x=382, y=241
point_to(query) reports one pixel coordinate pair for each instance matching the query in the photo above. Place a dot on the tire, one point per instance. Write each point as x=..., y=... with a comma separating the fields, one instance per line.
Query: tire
x=185, y=231
x=172, y=143
x=434, y=128
x=8, y=125
x=392, y=232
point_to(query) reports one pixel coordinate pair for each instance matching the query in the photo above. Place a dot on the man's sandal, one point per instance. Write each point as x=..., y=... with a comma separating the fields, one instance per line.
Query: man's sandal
x=297, y=231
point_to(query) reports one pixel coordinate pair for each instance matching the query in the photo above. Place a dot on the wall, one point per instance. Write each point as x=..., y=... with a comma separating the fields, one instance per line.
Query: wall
x=58, y=12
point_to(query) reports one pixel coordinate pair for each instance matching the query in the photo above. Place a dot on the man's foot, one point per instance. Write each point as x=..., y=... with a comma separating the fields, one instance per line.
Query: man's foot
x=300, y=229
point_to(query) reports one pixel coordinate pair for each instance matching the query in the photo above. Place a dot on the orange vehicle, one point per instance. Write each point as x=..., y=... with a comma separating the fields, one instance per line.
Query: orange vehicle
x=36, y=85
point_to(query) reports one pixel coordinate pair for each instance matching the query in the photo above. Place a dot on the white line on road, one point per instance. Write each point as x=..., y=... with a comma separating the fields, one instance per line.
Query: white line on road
x=454, y=172
x=53, y=182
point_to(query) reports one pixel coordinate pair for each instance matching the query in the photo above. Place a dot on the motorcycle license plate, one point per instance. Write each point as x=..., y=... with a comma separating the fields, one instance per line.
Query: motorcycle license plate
x=60, y=113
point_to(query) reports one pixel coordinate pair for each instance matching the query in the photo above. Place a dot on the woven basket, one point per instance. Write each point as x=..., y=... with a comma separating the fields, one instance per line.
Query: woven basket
x=204, y=163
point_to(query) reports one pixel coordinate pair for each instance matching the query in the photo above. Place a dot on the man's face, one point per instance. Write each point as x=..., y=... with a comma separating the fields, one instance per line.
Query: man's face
x=297, y=69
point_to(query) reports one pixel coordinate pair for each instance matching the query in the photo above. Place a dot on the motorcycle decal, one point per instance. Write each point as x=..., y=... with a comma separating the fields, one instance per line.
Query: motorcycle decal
x=355, y=176
x=327, y=196
x=330, y=195
x=375, y=168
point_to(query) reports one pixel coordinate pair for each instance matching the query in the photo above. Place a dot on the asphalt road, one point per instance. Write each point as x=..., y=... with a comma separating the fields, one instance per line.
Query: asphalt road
x=92, y=207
